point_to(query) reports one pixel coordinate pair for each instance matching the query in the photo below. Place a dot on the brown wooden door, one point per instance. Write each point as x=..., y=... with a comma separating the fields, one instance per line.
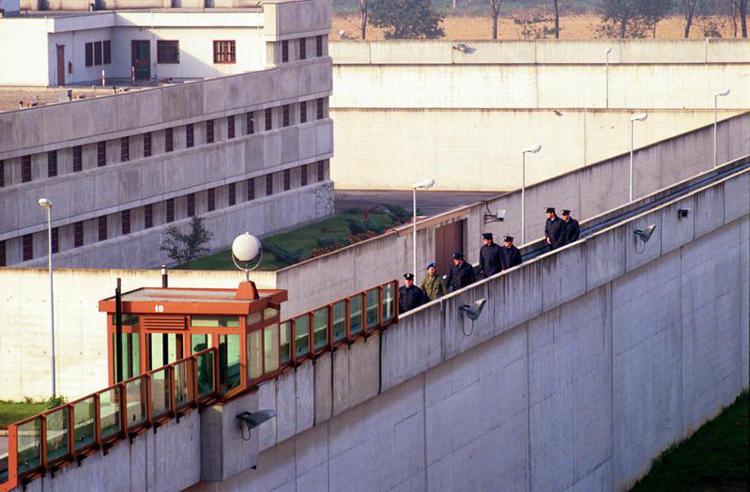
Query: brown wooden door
x=61, y=64
x=141, y=59
x=448, y=238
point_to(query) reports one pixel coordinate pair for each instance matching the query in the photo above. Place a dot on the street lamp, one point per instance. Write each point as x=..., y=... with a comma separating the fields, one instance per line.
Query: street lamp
x=606, y=70
x=716, y=104
x=633, y=119
x=531, y=150
x=47, y=204
x=425, y=184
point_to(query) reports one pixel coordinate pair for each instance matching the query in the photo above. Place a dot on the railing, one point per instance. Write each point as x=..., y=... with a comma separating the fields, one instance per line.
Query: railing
x=53, y=439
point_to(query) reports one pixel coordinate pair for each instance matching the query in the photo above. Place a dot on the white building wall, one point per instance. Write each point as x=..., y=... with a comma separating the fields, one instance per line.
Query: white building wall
x=75, y=52
x=10, y=6
x=23, y=52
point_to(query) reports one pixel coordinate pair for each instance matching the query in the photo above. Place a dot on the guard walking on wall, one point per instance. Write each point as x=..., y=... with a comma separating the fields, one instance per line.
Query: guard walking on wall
x=409, y=295
x=432, y=284
x=461, y=273
x=571, y=229
x=553, y=229
x=489, y=256
x=509, y=254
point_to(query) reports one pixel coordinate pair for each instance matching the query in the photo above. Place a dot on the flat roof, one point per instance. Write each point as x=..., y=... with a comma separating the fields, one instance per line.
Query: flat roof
x=11, y=96
x=48, y=14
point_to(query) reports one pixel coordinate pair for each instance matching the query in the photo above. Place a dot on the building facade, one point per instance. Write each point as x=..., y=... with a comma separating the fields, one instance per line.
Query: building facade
x=246, y=152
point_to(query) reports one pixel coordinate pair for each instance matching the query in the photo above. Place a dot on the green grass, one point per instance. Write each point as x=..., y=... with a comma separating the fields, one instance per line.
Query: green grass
x=715, y=458
x=13, y=411
x=299, y=244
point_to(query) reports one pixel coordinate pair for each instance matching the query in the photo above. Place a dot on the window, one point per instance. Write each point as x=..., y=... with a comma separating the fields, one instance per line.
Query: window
x=189, y=135
x=169, y=140
x=28, y=247
x=319, y=46
x=2, y=174
x=224, y=52
x=125, y=149
x=250, y=189
x=167, y=51
x=3, y=261
x=147, y=145
x=107, y=52
x=269, y=118
x=102, y=224
x=191, y=204
x=319, y=108
x=303, y=175
x=302, y=335
x=284, y=51
x=250, y=122
x=77, y=158
x=125, y=222
x=321, y=170
x=78, y=234
x=89, y=54
x=303, y=112
x=55, y=239
x=285, y=115
x=98, y=53
x=211, y=199
x=170, y=210
x=52, y=163
x=302, y=48
x=230, y=126
x=148, y=216
x=287, y=179
x=26, y=168
x=269, y=184
x=101, y=154
x=232, y=193
x=210, y=131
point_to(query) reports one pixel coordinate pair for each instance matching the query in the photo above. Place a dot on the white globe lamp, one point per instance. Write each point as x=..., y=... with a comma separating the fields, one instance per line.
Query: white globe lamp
x=245, y=249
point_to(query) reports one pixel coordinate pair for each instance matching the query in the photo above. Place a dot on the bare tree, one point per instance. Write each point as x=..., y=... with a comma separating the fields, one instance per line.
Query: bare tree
x=742, y=11
x=689, y=9
x=363, y=18
x=557, y=18
x=494, y=6
x=654, y=11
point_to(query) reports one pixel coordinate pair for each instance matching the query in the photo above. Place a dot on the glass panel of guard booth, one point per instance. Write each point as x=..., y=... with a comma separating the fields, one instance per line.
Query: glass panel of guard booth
x=206, y=381
x=229, y=362
x=109, y=412
x=58, y=431
x=130, y=362
x=135, y=402
x=339, y=321
x=302, y=336
x=254, y=354
x=84, y=423
x=285, y=342
x=29, y=445
x=161, y=401
x=320, y=329
x=389, y=302
x=373, y=308
x=271, y=348
x=183, y=383
x=355, y=315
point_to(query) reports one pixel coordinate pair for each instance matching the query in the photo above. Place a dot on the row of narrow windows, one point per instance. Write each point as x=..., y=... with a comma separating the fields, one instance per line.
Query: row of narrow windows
x=173, y=209
x=286, y=115
x=301, y=44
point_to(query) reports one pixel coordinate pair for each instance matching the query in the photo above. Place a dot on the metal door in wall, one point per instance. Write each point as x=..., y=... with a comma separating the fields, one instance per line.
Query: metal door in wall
x=60, y=64
x=448, y=238
x=141, y=59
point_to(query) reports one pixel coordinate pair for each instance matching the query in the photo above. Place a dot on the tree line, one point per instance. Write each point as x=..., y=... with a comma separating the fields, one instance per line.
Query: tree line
x=419, y=19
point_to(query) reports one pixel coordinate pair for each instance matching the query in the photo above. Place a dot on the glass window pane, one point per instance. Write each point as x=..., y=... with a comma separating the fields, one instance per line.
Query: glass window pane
x=83, y=415
x=320, y=332
x=372, y=308
x=285, y=342
x=254, y=318
x=302, y=336
x=130, y=361
x=271, y=347
x=57, y=434
x=165, y=348
x=206, y=374
x=339, y=321
x=198, y=343
x=159, y=393
x=389, y=302
x=254, y=362
x=215, y=321
x=183, y=388
x=29, y=445
x=135, y=403
x=355, y=314
x=270, y=313
x=109, y=406
x=229, y=356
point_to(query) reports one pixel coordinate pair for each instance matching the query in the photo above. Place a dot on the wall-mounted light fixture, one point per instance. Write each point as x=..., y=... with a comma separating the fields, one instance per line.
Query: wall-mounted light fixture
x=645, y=234
x=683, y=213
x=250, y=421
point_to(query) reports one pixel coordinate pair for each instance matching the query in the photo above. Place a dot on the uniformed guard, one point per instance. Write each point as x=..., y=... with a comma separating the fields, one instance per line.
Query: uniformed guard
x=409, y=295
x=432, y=284
x=489, y=256
x=461, y=273
x=571, y=229
x=553, y=229
x=509, y=254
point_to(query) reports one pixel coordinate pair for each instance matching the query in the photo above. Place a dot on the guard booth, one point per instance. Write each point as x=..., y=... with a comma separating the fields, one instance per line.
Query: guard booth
x=163, y=325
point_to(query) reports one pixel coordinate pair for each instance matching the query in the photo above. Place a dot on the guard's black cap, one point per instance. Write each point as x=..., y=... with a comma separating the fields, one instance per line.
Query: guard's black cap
x=457, y=255
x=566, y=212
x=550, y=210
x=487, y=235
x=508, y=238
x=409, y=276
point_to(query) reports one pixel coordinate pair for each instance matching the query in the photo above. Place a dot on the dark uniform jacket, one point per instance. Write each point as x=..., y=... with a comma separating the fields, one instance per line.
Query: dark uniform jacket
x=460, y=276
x=510, y=257
x=553, y=230
x=489, y=260
x=571, y=231
x=409, y=298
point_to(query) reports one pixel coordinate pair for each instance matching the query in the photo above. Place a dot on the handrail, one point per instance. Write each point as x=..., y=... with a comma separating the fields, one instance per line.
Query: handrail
x=70, y=432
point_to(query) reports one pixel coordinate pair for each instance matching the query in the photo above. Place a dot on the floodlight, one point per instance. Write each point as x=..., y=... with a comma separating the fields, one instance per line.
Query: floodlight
x=473, y=312
x=533, y=149
x=45, y=203
x=639, y=117
x=645, y=234
x=723, y=93
x=425, y=184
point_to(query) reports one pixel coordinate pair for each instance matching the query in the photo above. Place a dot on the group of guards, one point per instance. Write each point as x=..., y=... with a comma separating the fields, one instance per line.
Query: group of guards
x=493, y=259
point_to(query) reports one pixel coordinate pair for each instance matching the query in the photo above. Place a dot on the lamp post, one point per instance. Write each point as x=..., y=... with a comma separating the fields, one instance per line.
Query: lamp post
x=531, y=150
x=425, y=184
x=633, y=119
x=716, y=105
x=606, y=71
x=47, y=204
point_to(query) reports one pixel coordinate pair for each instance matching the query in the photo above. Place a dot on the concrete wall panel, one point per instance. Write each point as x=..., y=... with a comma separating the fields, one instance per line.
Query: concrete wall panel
x=286, y=407
x=678, y=231
x=267, y=434
x=605, y=257
x=323, y=388
x=637, y=252
x=737, y=198
x=304, y=398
